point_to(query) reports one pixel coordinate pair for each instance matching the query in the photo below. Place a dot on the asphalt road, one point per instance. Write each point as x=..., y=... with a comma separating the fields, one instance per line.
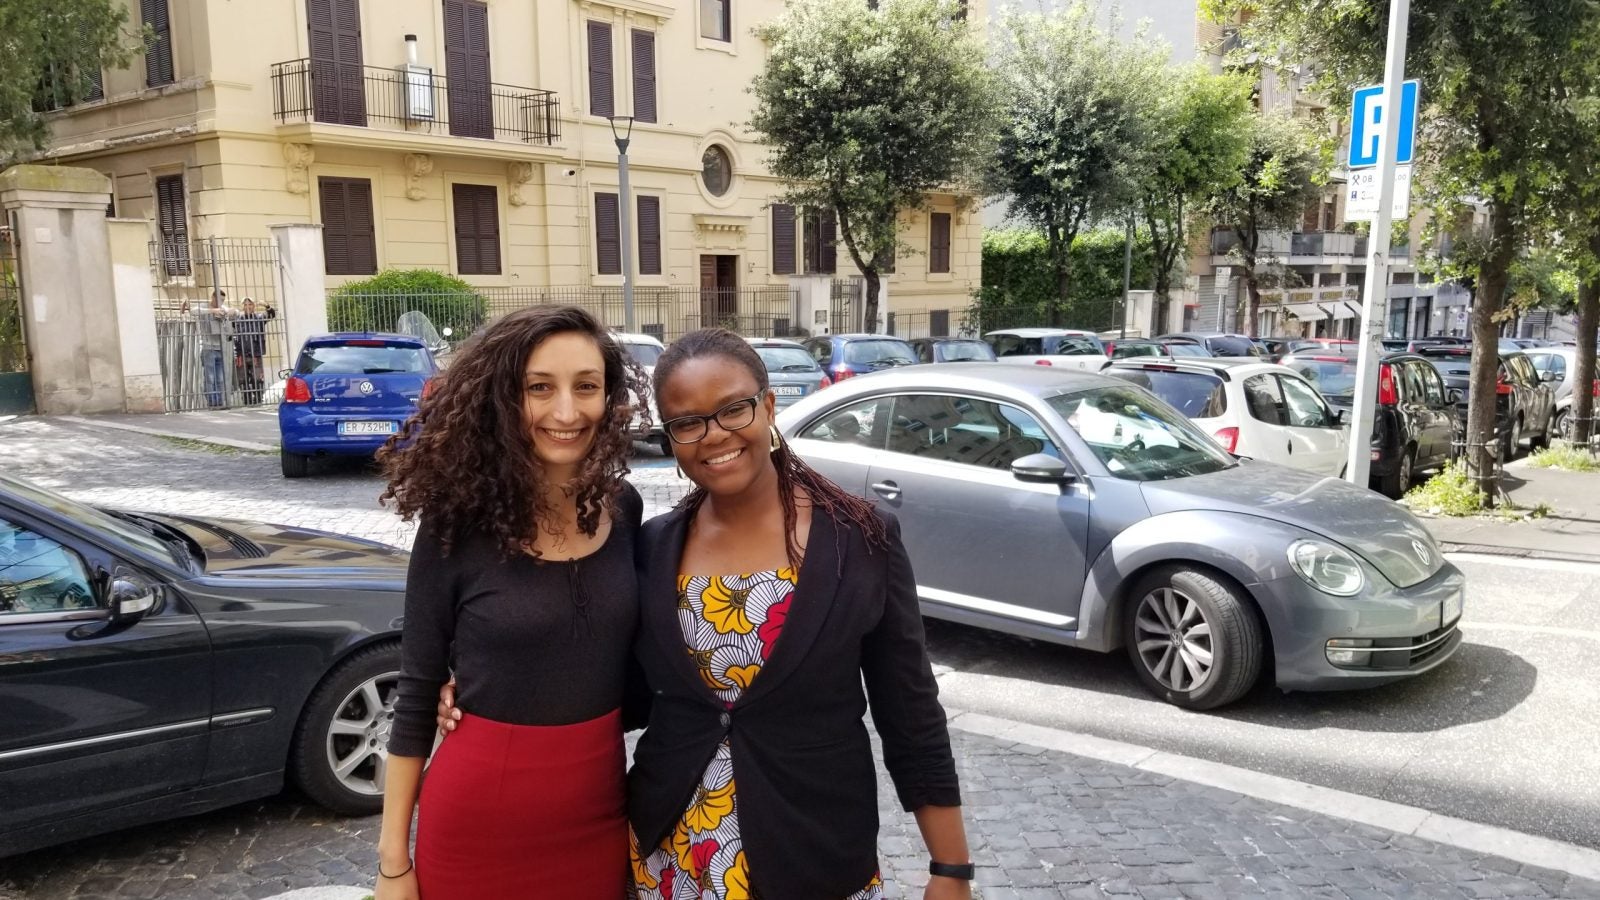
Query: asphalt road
x=1506, y=733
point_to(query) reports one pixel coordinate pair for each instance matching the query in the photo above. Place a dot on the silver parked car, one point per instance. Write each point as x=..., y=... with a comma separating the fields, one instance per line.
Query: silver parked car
x=791, y=370
x=1080, y=509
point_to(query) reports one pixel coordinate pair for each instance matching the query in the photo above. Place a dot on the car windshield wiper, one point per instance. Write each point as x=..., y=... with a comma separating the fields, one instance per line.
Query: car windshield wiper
x=186, y=551
x=797, y=367
x=381, y=371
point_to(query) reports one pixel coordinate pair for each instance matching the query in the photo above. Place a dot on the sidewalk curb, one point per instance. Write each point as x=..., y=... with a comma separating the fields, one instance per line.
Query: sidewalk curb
x=1503, y=554
x=1529, y=849
x=167, y=433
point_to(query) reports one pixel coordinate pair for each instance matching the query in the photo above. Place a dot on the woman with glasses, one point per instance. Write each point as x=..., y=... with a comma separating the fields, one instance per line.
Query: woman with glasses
x=767, y=598
x=522, y=584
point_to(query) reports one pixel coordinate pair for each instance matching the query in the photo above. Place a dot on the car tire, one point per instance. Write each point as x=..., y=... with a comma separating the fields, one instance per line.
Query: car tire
x=347, y=720
x=1233, y=637
x=1561, y=426
x=294, y=465
x=1513, y=440
x=1397, y=483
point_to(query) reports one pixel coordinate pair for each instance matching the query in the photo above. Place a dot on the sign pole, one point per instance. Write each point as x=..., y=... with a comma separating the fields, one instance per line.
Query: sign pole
x=1375, y=300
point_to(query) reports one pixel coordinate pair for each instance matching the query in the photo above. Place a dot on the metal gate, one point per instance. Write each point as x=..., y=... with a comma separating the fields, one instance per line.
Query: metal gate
x=843, y=302
x=16, y=384
x=218, y=331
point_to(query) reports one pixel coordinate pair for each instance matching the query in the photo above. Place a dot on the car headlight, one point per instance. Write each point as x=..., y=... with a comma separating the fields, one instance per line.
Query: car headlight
x=1327, y=568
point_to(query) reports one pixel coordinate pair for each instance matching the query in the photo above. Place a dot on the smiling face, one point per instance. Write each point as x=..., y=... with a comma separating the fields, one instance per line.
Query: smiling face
x=563, y=401
x=724, y=463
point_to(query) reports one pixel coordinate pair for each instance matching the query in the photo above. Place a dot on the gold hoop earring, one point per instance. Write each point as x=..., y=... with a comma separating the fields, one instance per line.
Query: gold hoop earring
x=777, y=439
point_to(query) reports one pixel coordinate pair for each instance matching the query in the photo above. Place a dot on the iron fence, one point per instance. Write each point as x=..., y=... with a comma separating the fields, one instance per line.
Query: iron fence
x=847, y=296
x=16, y=385
x=218, y=333
x=665, y=312
x=921, y=323
x=414, y=99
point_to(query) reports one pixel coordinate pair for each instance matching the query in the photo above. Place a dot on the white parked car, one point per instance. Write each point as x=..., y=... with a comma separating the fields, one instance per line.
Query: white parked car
x=1061, y=347
x=645, y=350
x=1260, y=410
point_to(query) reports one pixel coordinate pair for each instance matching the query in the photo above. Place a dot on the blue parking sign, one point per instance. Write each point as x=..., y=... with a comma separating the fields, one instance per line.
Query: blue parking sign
x=1366, y=123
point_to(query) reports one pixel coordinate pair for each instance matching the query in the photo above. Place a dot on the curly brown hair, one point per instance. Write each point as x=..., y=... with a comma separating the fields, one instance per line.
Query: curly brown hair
x=465, y=461
x=826, y=496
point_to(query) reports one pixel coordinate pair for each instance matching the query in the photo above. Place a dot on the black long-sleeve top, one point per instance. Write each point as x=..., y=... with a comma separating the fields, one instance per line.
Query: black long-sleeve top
x=530, y=642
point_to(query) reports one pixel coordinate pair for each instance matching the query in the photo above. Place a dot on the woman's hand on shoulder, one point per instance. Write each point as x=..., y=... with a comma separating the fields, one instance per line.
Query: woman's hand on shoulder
x=446, y=715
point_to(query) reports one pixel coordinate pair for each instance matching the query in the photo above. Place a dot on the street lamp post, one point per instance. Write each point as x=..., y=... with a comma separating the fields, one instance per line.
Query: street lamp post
x=622, y=131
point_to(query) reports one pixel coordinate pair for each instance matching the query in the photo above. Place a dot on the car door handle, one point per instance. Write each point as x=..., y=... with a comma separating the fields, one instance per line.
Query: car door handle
x=888, y=490
x=1290, y=445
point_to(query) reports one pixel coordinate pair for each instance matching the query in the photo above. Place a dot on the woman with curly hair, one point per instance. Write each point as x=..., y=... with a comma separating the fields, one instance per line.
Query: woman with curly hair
x=768, y=598
x=522, y=584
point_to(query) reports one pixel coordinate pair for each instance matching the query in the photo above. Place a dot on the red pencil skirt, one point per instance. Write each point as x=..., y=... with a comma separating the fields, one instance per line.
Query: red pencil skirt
x=524, y=811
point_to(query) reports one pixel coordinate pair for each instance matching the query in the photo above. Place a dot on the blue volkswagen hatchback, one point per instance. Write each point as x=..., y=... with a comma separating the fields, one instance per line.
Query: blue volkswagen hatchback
x=348, y=393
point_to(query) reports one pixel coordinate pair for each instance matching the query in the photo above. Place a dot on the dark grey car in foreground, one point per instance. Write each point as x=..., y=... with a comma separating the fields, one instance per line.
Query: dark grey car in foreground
x=154, y=666
x=1079, y=509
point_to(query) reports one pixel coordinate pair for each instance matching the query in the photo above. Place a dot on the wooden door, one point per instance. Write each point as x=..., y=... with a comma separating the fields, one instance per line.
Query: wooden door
x=337, y=89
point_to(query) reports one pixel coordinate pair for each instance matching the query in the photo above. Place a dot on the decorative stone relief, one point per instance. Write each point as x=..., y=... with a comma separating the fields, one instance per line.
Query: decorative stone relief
x=298, y=159
x=417, y=166
x=518, y=174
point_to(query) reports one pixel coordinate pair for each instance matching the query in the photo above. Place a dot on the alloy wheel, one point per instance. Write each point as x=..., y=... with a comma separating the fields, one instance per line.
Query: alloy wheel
x=1174, y=639
x=358, y=737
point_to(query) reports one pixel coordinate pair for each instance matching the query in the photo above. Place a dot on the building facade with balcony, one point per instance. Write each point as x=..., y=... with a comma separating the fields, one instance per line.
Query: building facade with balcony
x=475, y=137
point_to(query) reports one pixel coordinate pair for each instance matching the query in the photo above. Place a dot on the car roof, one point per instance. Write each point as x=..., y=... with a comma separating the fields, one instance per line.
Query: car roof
x=949, y=339
x=339, y=337
x=975, y=376
x=628, y=337
x=860, y=336
x=1041, y=332
x=774, y=342
x=1226, y=369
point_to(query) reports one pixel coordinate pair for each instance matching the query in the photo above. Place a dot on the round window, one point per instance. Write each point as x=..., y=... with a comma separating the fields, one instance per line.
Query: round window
x=716, y=170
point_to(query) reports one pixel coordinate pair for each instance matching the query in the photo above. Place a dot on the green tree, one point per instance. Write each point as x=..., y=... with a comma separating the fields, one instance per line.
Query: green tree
x=1283, y=171
x=1576, y=216
x=49, y=52
x=1495, y=98
x=1199, y=145
x=1019, y=284
x=866, y=109
x=1076, y=108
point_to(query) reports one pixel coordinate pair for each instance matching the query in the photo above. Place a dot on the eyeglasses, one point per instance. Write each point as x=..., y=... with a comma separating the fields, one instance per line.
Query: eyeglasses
x=692, y=429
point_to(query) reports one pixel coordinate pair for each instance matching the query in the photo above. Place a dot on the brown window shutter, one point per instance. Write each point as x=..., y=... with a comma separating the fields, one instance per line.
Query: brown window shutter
x=939, y=242
x=602, y=95
x=173, y=222
x=88, y=62
x=939, y=323
x=335, y=229
x=337, y=76
x=827, y=241
x=477, y=225
x=349, y=236
x=782, y=239
x=158, y=52
x=607, y=235
x=466, y=52
x=644, y=75
x=649, y=235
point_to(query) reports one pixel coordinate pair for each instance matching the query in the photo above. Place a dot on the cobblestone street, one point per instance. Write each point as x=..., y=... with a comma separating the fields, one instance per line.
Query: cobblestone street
x=1043, y=824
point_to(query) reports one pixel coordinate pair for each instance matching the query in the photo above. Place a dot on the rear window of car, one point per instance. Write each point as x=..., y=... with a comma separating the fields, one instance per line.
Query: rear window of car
x=953, y=351
x=360, y=359
x=864, y=352
x=1195, y=394
x=786, y=359
x=1012, y=345
x=1334, y=379
x=1123, y=351
x=644, y=354
x=1448, y=360
x=1192, y=350
x=1223, y=345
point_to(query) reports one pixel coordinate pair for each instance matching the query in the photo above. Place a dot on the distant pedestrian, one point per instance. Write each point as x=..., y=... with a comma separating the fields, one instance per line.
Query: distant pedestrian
x=250, y=346
x=215, y=331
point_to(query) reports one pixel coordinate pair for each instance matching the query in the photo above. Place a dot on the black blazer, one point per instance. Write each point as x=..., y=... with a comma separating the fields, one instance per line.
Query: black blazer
x=802, y=760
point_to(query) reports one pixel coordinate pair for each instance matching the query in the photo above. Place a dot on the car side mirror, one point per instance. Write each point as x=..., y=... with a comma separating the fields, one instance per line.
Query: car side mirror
x=131, y=600
x=1041, y=468
x=1453, y=396
x=283, y=374
x=1549, y=377
x=1338, y=418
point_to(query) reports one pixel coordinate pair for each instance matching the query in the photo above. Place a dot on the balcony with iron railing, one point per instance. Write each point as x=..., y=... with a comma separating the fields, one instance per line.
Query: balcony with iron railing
x=412, y=100
x=1304, y=246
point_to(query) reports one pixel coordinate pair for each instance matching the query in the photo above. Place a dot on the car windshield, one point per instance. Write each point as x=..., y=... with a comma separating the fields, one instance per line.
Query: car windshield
x=1136, y=436
x=360, y=359
x=963, y=351
x=888, y=353
x=1194, y=350
x=644, y=354
x=129, y=532
x=1334, y=379
x=1124, y=351
x=1197, y=395
x=786, y=359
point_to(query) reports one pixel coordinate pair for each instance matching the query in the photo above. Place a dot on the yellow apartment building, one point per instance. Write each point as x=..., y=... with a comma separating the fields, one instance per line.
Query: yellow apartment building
x=474, y=137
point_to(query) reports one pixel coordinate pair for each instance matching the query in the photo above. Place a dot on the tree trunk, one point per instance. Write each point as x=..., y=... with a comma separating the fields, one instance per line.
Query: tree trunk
x=1253, y=292
x=1061, y=261
x=1493, y=275
x=869, y=272
x=1582, y=413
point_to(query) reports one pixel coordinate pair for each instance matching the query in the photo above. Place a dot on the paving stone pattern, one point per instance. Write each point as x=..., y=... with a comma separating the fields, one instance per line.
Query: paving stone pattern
x=1043, y=824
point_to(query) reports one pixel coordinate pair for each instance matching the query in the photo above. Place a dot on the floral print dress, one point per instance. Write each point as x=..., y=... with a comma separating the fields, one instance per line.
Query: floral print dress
x=730, y=625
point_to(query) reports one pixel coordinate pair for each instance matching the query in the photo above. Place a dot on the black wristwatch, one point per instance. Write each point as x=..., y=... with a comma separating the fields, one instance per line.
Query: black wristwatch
x=964, y=871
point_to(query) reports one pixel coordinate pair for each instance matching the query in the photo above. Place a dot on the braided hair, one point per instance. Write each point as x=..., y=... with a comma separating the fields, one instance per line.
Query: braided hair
x=826, y=496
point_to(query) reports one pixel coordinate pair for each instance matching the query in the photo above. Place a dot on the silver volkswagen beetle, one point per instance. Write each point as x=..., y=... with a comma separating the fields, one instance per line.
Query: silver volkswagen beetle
x=1079, y=509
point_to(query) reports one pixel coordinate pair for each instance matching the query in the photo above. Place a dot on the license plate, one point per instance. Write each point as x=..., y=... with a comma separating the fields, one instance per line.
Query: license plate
x=1450, y=609
x=789, y=390
x=366, y=428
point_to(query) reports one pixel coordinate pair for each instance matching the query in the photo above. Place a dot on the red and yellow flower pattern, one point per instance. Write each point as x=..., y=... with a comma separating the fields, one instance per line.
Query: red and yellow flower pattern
x=730, y=625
